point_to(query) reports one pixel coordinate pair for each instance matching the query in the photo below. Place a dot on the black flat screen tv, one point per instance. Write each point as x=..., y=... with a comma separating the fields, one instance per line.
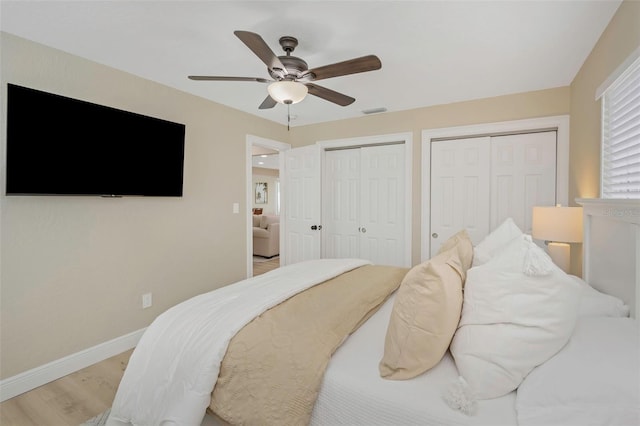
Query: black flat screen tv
x=62, y=146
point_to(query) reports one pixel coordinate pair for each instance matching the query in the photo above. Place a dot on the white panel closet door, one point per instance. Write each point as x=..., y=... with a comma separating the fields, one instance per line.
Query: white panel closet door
x=301, y=204
x=460, y=189
x=383, y=204
x=363, y=204
x=341, y=204
x=523, y=175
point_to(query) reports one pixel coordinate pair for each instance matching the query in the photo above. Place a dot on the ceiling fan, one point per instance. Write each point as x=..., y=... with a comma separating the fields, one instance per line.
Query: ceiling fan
x=291, y=77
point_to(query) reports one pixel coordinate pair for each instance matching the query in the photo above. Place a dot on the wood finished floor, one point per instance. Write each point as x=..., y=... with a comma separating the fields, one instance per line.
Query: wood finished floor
x=262, y=267
x=70, y=400
x=73, y=399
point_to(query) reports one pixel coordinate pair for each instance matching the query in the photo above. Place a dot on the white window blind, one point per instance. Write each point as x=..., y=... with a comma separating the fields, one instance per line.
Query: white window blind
x=621, y=136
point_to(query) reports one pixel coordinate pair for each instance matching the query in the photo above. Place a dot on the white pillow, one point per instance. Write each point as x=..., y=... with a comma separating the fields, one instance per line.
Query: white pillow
x=512, y=322
x=593, y=380
x=495, y=241
x=596, y=304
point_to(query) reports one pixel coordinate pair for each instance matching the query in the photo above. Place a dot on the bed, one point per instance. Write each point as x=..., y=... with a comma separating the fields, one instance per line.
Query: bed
x=341, y=341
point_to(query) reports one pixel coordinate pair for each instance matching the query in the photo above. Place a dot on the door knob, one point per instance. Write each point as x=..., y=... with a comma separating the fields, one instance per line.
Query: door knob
x=363, y=230
x=314, y=227
x=434, y=235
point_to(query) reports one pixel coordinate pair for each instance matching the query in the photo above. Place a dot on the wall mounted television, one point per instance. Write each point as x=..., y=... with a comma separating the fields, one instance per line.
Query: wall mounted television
x=62, y=146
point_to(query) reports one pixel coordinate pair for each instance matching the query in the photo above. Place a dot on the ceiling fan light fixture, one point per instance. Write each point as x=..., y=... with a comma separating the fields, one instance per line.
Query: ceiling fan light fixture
x=287, y=92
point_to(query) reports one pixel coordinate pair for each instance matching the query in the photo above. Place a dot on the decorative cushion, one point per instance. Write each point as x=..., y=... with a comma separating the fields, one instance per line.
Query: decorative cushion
x=426, y=312
x=462, y=242
x=495, y=241
x=512, y=321
x=266, y=220
x=593, y=380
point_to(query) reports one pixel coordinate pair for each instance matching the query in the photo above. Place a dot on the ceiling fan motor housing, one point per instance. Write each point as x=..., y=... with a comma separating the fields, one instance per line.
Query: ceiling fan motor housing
x=295, y=67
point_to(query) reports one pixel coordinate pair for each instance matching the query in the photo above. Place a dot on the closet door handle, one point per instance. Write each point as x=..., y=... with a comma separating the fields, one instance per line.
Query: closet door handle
x=314, y=227
x=434, y=235
x=363, y=230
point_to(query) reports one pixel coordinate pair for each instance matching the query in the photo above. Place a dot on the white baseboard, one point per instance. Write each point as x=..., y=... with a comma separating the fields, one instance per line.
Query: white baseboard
x=46, y=373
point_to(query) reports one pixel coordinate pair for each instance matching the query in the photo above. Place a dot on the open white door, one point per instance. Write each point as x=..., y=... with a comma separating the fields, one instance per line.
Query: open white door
x=301, y=208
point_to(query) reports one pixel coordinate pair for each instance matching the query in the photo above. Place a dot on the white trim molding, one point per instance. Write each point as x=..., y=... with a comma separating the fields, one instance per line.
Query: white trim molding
x=252, y=140
x=54, y=370
x=617, y=73
x=560, y=123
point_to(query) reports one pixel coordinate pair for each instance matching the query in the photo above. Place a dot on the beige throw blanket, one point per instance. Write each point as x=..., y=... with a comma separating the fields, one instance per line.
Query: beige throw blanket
x=273, y=368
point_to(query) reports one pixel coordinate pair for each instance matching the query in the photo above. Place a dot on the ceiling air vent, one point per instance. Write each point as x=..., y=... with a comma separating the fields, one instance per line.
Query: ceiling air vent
x=374, y=110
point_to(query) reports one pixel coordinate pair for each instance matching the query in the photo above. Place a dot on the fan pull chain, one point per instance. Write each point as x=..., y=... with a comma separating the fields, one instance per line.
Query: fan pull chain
x=288, y=116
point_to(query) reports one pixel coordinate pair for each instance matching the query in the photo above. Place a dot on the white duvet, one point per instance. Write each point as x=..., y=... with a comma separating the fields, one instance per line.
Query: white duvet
x=174, y=368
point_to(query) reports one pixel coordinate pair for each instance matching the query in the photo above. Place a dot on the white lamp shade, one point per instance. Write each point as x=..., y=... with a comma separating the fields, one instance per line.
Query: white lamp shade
x=559, y=224
x=287, y=92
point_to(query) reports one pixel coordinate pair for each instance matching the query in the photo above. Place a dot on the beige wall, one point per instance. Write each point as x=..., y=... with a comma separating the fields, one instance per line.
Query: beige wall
x=73, y=269
x=504, y=108
x=618, y=41
x=620, y=38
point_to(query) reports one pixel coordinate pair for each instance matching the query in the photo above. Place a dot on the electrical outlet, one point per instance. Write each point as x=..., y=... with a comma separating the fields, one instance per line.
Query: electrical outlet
x=147, y=300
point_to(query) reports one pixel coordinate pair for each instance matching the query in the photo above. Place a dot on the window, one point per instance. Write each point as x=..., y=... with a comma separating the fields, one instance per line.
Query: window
x=621, y=136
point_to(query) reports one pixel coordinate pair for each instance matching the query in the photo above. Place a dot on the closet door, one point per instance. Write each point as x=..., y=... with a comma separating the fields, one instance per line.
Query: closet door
x=341, y=204
x=460, y=189
x=523, y=175
x=382, y=204
x=364, y=204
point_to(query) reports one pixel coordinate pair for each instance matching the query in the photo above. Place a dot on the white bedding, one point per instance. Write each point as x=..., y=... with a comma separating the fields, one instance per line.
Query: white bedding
x=353, y=393
x=594, y=379
x=173, y=371
x=174, y=367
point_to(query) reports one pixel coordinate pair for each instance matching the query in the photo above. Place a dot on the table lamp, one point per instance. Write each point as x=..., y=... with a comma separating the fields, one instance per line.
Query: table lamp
x=558, y=226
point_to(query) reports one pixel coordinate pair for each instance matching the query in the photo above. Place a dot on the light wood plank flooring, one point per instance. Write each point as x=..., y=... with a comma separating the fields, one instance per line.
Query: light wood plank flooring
x=70, y=400
x=262, y=267
x=73, y=399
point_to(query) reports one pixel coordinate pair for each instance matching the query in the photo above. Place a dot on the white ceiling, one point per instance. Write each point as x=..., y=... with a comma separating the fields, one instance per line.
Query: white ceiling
x=432, y=52
x=266, y=161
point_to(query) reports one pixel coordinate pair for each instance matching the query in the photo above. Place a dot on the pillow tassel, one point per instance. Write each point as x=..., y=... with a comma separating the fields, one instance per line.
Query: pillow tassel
x=460, y=397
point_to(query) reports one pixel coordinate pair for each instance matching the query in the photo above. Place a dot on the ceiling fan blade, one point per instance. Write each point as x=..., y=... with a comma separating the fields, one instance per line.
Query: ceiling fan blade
x=268, y=102
x=219, y=78
x=261, y=49
x=329, y=95
x=352, y=66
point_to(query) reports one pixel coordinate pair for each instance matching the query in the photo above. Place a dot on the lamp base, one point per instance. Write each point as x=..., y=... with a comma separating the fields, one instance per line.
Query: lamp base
x=560, y=253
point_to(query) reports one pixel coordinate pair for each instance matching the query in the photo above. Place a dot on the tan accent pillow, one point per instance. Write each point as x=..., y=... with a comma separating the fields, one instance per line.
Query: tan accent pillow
x=426, y=312
x=462, y=242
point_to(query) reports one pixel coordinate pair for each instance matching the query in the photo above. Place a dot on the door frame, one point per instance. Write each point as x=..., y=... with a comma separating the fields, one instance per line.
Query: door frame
x=407, y=139
x=560, y=123
x=250, y=141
